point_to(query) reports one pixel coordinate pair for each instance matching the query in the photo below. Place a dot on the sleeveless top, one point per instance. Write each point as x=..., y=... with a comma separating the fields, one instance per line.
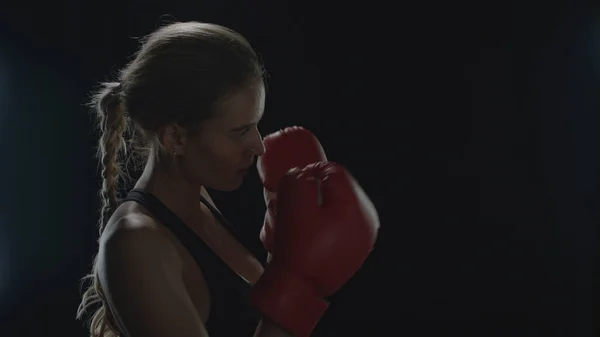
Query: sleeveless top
x=230, y=312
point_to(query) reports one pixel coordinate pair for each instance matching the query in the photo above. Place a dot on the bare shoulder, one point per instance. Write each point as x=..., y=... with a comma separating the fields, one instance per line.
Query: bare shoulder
x=136, y=235
x=140, y=273
x=130, y=219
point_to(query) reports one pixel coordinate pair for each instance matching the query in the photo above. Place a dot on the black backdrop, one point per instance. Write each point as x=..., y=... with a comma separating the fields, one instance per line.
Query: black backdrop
x=471, y=126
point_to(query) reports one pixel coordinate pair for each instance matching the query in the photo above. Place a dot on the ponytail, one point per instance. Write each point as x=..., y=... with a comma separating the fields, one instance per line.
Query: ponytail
x=112, y=124
x=111, y=119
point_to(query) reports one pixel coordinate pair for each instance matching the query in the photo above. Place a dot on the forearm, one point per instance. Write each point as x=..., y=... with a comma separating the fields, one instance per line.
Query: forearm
x=266, y=328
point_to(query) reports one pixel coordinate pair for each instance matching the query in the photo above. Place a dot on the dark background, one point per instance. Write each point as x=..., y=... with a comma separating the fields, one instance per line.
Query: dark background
x=471, y=126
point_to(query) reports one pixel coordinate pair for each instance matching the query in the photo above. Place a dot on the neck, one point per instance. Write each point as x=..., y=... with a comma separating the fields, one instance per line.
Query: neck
x=170, y=187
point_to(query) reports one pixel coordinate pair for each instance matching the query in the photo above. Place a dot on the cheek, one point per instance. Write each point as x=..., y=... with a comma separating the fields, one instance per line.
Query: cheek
x=223, y=153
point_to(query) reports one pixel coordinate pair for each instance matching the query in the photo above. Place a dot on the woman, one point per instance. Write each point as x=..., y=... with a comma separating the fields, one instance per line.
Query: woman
x=167, y=264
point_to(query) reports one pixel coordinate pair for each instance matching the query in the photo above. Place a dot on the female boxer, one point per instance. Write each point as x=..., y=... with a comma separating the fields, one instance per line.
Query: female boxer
x=168, y=264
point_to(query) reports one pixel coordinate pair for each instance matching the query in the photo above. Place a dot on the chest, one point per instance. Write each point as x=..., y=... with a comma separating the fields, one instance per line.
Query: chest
x=227, y=257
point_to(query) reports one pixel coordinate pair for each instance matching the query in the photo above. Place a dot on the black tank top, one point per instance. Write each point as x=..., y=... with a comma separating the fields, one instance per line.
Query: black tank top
x=230, y=312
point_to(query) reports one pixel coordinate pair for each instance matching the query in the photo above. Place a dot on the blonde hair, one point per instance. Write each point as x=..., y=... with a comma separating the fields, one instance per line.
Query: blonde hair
x=181, y=71
x=112, y=122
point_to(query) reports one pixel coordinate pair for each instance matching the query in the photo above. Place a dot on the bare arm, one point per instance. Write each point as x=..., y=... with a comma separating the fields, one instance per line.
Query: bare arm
x=142, y=282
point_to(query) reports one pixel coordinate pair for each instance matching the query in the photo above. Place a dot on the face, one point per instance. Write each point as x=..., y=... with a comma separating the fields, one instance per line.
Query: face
x=220, y=154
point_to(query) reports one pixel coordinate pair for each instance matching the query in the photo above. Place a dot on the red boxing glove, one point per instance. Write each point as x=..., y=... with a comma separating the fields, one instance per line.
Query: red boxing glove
x=285, y=149
x=327, y=227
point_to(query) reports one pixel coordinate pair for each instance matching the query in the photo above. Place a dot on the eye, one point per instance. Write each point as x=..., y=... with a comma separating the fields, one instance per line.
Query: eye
x=244, y=131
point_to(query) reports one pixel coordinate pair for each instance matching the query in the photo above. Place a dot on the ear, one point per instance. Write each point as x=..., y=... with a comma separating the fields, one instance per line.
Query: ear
x=173, y=138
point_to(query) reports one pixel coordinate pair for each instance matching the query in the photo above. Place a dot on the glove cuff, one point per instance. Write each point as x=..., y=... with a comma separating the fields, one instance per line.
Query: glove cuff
x=287, y=301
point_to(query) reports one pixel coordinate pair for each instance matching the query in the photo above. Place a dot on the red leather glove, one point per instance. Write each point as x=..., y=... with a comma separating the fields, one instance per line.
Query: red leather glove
x=327, y=226
x=285, y=149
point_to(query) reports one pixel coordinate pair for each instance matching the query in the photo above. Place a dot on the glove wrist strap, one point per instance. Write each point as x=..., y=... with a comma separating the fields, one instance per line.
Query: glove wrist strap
x=287, y=301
